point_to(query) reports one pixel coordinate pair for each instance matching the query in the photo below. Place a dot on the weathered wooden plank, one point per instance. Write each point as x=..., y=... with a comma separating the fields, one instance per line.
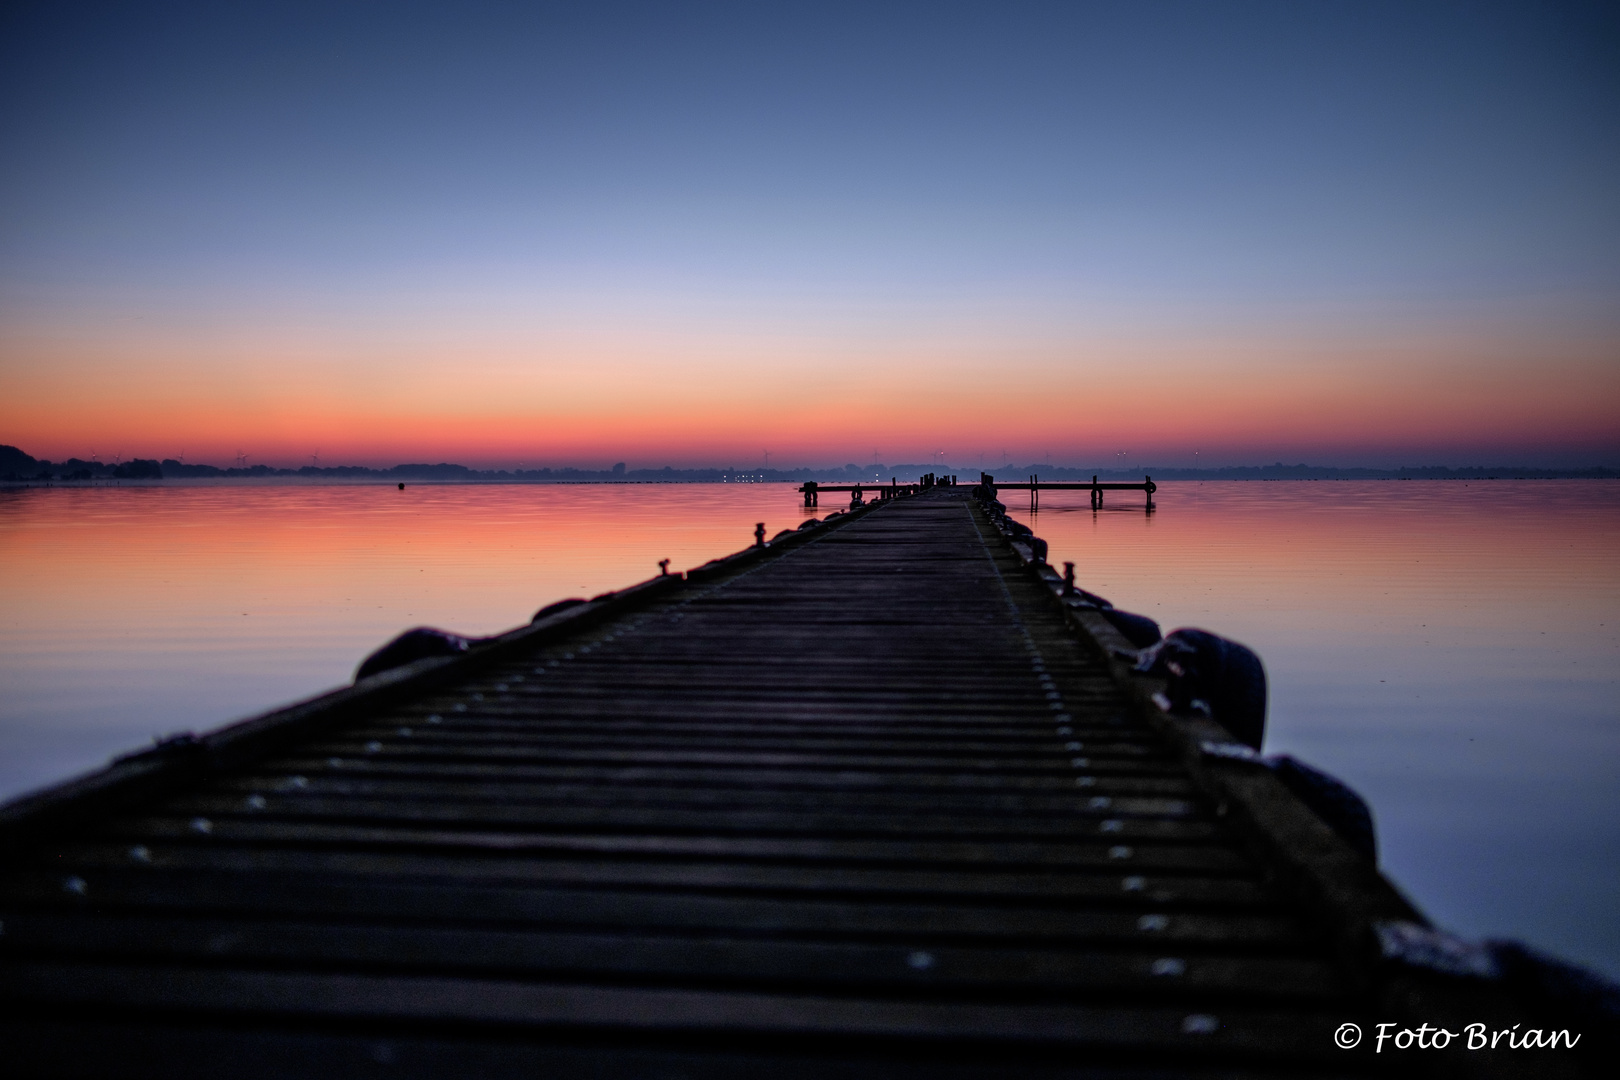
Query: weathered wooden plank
x=1089, y=853
x=1034, y=809
x=352, y=897
x=782, y=962
x=41, y=1046
x=1122, y=886
x=722, y=774
x=727, y=820
x=731, y=737
x=298, y=773
x=405, y=749
x=1280, y=1035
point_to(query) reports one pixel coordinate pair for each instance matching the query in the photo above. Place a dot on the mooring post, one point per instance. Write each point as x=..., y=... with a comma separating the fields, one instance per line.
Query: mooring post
x=759, y=534
x=1068, y=579
x=1150, y=487
x=1096, y=492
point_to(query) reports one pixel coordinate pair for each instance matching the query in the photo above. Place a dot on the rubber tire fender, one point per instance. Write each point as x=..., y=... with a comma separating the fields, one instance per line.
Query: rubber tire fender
x=1141, y=631
x=412, y=645
x=1227, y=676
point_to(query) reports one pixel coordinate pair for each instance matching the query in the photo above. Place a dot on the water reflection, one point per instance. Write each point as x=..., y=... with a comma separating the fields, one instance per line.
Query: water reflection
x=129, y=612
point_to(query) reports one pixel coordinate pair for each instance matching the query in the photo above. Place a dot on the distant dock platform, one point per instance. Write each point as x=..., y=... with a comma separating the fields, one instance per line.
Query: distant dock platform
x=987, y=483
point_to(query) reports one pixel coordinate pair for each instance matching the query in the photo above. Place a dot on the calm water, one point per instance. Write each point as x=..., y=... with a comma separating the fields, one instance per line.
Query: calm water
x=129, y=612
x=1451, y=650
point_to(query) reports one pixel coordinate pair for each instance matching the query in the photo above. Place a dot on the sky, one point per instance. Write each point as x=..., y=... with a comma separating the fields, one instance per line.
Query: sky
x=526, y=234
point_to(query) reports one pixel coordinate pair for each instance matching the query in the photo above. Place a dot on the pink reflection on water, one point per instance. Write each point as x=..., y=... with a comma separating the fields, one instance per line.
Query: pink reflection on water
x=136, y=611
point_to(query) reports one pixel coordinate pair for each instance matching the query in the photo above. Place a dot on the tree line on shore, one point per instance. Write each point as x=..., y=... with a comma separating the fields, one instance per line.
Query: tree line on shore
x=15, y=466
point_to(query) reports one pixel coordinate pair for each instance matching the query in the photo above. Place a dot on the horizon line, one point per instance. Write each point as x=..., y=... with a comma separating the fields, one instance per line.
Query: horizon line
x=13, y=459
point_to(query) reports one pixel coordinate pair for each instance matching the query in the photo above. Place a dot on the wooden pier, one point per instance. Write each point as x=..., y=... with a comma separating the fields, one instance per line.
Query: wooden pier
x=879, y=798
x=1034, y=485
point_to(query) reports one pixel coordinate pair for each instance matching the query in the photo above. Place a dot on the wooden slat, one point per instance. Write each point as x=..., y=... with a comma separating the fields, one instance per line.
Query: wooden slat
x=156, y=1049
x=1061, y=807
x=1296, y=1033
x=778, y=962
x=671, y=816
x=1092, y=853
x=1123, y=885
x=1054, y=782
x=360, y=896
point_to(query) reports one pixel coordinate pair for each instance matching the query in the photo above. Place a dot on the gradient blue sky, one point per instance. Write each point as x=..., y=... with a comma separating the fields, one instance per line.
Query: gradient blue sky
x=1345, y=233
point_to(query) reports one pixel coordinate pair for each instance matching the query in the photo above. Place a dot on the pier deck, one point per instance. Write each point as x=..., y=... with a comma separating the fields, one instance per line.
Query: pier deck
x=868, y=801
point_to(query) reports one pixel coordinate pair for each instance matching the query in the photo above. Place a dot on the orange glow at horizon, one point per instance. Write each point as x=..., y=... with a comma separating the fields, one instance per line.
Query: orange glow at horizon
x=710, y=400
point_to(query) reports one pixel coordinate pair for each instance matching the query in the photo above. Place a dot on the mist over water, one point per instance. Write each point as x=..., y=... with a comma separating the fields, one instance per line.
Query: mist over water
x=1451, y=650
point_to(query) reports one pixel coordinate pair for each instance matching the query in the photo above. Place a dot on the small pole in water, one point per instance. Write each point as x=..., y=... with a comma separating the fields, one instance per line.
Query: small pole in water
x=759, y=535
x=402, y=487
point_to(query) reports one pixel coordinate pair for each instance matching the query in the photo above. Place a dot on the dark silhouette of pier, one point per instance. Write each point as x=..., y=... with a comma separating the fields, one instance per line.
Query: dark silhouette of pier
x=883, y=796
x=987, y=484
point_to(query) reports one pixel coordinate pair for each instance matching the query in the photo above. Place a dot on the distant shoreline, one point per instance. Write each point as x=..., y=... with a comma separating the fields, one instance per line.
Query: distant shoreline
x=18, y=467
x=294, y=480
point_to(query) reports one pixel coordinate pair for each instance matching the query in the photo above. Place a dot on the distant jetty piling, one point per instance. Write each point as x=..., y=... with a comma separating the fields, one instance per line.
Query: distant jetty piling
x=1034, y=485
x=858, y=493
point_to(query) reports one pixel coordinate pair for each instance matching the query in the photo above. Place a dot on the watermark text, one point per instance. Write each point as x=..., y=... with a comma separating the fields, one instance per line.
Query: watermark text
x=1475, y=1036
